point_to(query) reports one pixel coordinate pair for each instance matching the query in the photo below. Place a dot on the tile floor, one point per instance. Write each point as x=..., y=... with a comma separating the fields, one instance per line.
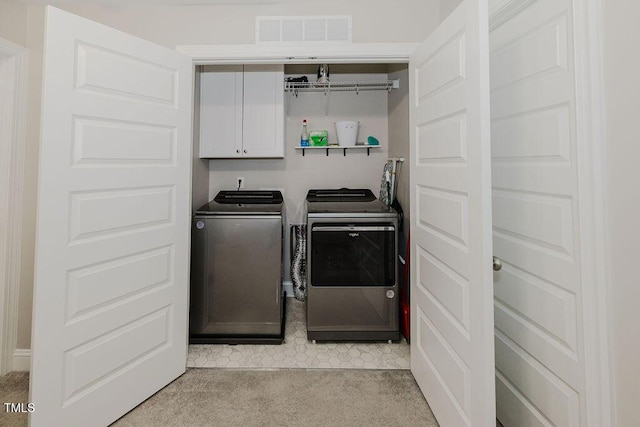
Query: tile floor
x=298, y=352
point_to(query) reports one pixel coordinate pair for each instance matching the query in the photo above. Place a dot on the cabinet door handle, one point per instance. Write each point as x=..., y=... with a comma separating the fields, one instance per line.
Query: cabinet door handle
x=238, y=151
x=245, y=151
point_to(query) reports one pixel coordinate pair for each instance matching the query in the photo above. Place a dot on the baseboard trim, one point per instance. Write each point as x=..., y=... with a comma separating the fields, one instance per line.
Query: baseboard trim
x=21, y=360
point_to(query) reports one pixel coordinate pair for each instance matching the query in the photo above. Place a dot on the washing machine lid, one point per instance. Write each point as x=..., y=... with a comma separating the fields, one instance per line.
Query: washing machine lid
x=346, y=202
x=255, y=197
x=338, y=195
x=262, y=202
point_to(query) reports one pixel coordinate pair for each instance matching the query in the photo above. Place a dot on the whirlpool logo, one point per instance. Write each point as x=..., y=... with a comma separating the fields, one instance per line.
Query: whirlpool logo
x=354, y=234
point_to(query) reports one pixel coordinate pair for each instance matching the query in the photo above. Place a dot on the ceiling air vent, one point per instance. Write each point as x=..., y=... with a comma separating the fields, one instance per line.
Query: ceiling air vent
x=287, y=29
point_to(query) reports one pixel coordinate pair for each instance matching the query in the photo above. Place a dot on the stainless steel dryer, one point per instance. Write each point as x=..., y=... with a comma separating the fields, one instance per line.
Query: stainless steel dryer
x=236, y=269
x=352, y=276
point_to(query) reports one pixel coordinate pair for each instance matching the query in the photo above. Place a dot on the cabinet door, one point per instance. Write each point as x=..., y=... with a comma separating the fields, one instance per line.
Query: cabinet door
x=221, y=111
x=263, y=116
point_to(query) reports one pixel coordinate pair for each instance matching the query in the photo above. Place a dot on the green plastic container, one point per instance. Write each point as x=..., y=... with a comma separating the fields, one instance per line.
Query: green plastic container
x=318, y=138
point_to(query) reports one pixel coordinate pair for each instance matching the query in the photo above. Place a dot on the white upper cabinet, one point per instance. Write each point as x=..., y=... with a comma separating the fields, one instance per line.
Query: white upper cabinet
x=221, y=111
x=242, y=111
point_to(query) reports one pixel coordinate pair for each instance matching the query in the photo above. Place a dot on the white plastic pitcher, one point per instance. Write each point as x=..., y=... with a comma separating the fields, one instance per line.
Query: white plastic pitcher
x=347, y=132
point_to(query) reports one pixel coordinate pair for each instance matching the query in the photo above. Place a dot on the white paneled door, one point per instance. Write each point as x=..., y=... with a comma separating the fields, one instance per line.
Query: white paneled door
x=540, y=371
x=452, y=356
x=111, y=287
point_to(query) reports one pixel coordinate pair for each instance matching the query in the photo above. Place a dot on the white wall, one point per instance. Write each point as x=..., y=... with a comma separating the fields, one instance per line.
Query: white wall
x=622, y=92
x=399, y=147
x=373, y=21
x=399, y=144
x=34, y=43
x=448, y=6
x=13, y=19
x=12, y=29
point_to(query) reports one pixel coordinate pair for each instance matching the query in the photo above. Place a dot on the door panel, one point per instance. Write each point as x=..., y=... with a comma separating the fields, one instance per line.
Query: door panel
x=110, y=295
x=451, y=280
x=538, y=300
x=552, y=397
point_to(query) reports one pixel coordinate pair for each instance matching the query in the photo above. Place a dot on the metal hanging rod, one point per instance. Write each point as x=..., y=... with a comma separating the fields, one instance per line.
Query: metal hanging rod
x=354, y=86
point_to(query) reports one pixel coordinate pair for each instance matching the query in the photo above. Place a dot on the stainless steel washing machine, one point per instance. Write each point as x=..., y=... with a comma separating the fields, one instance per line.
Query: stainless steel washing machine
x=236, y=269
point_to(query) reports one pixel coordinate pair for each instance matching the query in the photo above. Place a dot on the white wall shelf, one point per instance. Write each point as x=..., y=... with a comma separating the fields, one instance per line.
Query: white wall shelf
x=344, y=148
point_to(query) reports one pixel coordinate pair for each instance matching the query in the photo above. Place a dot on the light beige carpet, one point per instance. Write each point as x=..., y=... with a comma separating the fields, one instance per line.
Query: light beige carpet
x=295, y=397
x=14, y=388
